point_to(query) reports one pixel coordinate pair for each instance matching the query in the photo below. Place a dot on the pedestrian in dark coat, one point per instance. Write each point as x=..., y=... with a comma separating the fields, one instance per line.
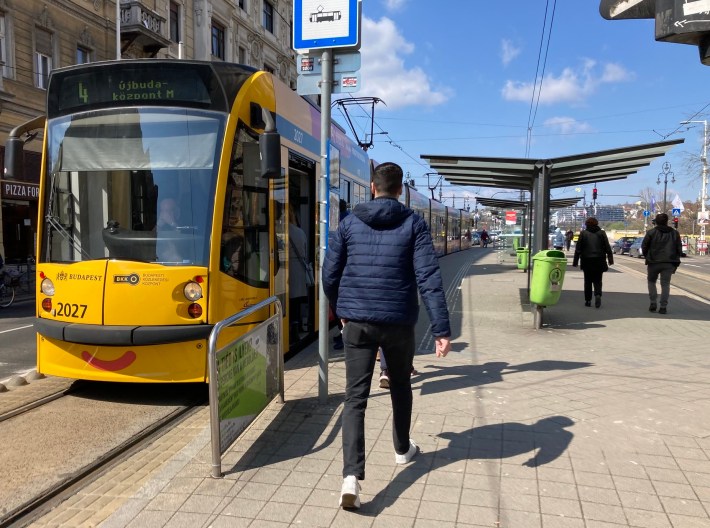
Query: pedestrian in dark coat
x=593, y=249
x=379, y=259
x=662, y=249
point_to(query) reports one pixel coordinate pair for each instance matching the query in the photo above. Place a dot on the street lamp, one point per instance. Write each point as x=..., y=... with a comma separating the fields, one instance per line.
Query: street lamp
x=703, y=189
x=666, y=172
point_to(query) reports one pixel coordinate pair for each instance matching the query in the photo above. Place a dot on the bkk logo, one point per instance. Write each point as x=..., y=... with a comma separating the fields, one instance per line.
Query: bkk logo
x=131, y=279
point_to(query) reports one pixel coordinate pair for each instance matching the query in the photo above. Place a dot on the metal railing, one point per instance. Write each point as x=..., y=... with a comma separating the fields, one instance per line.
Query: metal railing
x=213, y=375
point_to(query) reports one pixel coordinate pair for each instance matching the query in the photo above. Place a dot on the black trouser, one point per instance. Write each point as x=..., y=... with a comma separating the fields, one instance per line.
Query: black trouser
x=593, y=269
x=361, y=342
x=665, y=270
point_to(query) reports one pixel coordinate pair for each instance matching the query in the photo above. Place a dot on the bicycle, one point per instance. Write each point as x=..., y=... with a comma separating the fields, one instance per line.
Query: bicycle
x=7, y=289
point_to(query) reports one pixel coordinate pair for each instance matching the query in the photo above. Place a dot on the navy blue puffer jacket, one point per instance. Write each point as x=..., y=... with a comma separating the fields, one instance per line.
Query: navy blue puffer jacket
x=377, y=259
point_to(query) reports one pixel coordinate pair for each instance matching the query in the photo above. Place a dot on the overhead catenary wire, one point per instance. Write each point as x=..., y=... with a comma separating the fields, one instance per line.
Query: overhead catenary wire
x=537, y=86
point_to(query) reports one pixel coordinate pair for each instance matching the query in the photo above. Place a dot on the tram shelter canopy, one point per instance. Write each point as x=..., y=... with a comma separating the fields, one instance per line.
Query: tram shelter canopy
x=557, y=203
x=539, y=176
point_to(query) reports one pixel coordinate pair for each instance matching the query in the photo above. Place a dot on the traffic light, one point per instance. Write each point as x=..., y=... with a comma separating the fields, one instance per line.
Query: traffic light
x=675, y=222
x=594, y=193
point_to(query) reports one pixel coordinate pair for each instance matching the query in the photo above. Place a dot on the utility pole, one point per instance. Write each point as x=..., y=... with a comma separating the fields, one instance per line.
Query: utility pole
x=703, y=189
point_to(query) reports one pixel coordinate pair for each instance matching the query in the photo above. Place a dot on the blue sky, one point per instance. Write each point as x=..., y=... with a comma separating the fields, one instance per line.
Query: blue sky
x=456, y=77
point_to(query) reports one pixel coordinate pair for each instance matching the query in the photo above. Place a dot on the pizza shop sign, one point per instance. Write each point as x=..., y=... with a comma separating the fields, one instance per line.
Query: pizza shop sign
x=19, y=190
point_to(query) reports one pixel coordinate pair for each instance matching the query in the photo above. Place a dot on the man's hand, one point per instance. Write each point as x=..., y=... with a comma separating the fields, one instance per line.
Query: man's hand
x=443, y=346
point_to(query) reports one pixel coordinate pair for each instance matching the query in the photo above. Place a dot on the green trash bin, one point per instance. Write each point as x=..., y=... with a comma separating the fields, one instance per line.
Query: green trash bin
x=548, y=274
x=523, y=255
x=516, y=243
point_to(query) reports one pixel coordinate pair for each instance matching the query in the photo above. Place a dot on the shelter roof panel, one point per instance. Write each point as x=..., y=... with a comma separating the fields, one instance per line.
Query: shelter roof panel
x=520, y=173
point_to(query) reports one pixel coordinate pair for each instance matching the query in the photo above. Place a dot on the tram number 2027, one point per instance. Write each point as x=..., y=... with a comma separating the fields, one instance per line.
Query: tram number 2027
x=71, y=310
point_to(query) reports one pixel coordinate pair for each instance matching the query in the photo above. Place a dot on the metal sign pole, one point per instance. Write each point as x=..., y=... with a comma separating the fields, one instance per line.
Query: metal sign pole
x=323, y=323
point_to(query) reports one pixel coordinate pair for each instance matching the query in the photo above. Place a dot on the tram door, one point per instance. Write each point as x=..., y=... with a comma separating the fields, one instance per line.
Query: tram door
x=301, y=247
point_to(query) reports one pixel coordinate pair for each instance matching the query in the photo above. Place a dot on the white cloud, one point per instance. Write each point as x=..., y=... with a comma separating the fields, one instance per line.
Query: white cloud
x=508, y=51
x=394, y=5
x=573, y=85
x=384, y=73
x=567, y=125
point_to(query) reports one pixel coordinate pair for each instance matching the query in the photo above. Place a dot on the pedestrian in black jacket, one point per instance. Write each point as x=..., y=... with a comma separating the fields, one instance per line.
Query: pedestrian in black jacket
x=662, y=249
x=593, y=249
x=378, y=259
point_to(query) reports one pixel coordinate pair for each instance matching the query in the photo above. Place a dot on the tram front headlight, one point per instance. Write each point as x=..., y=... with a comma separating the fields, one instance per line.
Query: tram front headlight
x=47, y=287
x=192, y=291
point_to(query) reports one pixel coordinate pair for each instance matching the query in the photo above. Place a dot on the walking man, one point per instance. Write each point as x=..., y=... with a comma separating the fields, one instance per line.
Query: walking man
x=662, y=249
x=380, y=255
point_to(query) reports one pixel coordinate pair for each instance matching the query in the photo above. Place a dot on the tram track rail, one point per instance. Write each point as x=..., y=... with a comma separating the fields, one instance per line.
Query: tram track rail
x=696, y=284
x=39, y=506
x=60, y=458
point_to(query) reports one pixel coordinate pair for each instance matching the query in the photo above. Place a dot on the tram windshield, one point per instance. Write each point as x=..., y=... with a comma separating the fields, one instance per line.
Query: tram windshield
x=131, y=184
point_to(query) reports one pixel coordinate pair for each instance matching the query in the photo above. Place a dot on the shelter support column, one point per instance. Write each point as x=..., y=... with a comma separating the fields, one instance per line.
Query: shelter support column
x=541, y=205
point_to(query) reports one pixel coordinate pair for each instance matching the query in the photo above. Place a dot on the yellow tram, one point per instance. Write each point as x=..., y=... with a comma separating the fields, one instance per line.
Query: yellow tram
x=165, y=202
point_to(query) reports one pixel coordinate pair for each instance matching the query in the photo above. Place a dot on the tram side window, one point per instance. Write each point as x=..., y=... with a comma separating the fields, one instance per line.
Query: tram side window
x=245, y=228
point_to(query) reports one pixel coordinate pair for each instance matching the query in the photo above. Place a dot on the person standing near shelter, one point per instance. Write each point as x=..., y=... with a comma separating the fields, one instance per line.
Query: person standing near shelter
x=558, y=242
x=662, y=249
x=378, y=258
x=484, y=238
x=593, y=249
x=569, y=236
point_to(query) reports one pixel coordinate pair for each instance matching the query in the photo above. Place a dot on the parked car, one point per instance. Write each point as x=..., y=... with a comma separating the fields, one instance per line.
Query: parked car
x=635, y=248
x=622, y=245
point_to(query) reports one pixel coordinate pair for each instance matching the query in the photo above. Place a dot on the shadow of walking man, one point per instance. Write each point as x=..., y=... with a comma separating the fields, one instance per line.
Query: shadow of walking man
x=544, y=440
x=461, y=376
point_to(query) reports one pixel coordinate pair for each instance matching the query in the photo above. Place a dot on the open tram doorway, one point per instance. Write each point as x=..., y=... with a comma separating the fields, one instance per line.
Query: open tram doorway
x=302, y=201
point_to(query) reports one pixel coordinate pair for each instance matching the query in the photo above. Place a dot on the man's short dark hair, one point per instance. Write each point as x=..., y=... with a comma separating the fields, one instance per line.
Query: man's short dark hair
x=661, y=219
x=388, y=178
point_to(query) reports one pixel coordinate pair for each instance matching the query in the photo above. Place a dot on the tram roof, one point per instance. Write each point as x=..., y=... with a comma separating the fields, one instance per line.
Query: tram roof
x=557, y=203
x=520, y=173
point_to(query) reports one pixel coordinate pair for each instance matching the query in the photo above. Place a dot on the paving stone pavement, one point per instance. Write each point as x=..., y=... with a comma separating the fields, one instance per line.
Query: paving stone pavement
x=598, y=419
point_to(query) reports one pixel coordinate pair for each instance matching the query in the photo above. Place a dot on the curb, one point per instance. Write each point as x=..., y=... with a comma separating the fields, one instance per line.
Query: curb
x=19, y=380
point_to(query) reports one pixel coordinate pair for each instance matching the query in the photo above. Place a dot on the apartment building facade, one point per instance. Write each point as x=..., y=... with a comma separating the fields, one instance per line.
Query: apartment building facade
x=37, y=36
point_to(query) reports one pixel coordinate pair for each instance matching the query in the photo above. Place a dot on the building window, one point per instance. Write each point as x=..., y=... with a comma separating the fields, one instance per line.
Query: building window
x=242, y=55
x=43, y=57
x=83, y=55
x=243, y=4
x=175, y=22
x=3, y=44
x=217, y=40
x=268, y=68
x=43, y=65
x=268, y=17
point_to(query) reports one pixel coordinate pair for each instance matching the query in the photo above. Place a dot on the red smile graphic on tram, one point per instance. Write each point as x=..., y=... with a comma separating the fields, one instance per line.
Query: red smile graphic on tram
x=110, y=365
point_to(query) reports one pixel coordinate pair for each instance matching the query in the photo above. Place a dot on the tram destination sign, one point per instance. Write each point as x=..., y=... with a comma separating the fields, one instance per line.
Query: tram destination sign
x=72, y=90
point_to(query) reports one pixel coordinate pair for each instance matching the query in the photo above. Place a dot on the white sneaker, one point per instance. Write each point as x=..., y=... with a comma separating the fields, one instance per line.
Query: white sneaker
x=350, y=493
x=409, y=455
x=384, y=380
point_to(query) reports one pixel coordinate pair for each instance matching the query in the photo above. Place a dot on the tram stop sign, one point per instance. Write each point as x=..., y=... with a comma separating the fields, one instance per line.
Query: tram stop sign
x=679, y=21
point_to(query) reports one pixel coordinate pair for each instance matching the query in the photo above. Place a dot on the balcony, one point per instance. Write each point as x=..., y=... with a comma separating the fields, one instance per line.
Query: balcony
x=142, y=27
